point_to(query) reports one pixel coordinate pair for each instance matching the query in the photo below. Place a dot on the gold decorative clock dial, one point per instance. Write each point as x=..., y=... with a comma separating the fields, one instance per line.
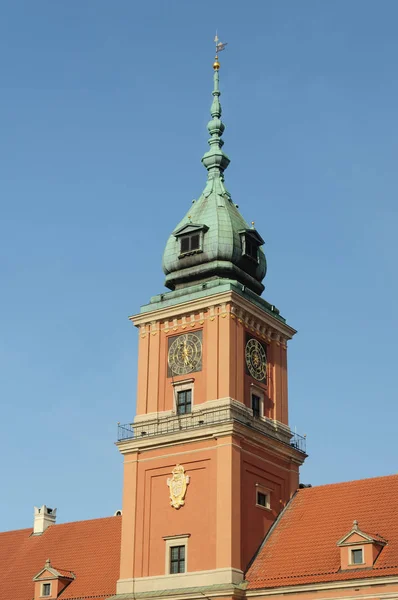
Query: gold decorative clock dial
x=185, y=354
x=256, y=359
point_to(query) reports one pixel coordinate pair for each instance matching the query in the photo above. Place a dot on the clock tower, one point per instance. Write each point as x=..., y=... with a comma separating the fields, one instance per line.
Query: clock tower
x=209, y=460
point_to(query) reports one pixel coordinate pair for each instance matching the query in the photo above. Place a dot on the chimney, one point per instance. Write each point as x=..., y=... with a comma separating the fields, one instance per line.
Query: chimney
x=44, y=517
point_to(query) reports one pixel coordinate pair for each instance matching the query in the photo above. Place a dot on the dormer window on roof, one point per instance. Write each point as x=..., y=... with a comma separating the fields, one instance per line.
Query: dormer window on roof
x=51, y=582
x=359, y=549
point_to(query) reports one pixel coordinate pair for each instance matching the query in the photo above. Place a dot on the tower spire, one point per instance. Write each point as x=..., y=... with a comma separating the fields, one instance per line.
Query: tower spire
x=213, y=242
x=215, y=160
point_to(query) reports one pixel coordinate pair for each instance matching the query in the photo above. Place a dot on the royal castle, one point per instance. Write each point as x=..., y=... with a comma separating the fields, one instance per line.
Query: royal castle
x=212, y=501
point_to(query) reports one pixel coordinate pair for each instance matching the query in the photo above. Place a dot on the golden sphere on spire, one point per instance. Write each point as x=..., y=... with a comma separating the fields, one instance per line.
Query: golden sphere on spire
x=216, y=64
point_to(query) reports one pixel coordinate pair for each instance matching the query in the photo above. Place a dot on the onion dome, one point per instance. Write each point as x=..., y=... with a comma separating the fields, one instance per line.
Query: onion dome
x=213, y=241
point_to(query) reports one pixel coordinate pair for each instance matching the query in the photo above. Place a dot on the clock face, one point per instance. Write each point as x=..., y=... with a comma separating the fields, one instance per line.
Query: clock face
x=256, y=359
x=185, y=354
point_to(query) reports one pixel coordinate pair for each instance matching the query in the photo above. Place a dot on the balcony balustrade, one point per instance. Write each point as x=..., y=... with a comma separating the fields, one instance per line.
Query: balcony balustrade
x=206, y=417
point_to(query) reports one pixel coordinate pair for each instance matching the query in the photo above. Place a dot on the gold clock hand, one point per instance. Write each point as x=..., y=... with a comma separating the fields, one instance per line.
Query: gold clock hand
x=186, y=353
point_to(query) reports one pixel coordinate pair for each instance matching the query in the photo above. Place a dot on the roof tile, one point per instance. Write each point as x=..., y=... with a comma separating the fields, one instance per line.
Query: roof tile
x=302, y=549
x=90, y=549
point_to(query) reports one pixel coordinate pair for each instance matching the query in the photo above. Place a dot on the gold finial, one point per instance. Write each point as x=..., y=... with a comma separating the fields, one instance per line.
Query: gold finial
x=219, y=48
x=252, y=224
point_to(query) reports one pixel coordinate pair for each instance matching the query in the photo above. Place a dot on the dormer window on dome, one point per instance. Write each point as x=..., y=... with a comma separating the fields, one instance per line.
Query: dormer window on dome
x=190, y=238
x=251, y=241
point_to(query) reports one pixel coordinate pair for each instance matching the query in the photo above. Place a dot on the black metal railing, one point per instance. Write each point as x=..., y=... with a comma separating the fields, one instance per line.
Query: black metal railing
x=194, y=420
x=299, y=442
x=124, y=432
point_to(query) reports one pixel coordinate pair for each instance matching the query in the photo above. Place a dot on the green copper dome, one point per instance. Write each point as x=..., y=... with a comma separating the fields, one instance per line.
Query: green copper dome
x=213, y=241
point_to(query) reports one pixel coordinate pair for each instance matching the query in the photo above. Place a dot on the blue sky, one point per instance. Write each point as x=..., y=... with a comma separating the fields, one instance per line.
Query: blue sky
x=103, y=112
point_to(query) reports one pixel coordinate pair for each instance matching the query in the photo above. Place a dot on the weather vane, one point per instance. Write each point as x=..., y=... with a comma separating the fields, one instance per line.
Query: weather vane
x=219, y=48
x=219, y=45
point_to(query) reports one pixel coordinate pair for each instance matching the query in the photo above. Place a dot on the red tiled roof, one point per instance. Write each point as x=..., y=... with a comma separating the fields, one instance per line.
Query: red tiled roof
x=90, y=549
x=64, y=573
x=301, y=549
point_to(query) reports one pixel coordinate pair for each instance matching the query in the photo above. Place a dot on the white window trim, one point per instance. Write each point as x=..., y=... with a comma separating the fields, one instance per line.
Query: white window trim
x=267, y=492
x=42, y=595
x=351, y=562
x=176, y=540
x=182, y=386
x=257, y=391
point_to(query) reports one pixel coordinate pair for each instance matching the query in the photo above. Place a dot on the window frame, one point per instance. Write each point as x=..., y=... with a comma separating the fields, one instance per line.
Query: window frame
x=186, y=393
x=352, y=553
x=260, y=489
x=43, y=585
x=172, y=541
x=249, y=241
x=188, y=230
x=256, y=411
x=182, y=386
x=179, y=561
x=259, y=393
x=188, y=236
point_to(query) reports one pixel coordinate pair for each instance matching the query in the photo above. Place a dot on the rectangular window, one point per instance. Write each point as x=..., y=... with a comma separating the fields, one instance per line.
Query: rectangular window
x=185, y=244
x=357, y=557
x=262, y=499
x=250, y=248
x=195, y=241
x=46, y=589
x=184, y=402
x=256, y=400
x=177, y=559
x=189, y=243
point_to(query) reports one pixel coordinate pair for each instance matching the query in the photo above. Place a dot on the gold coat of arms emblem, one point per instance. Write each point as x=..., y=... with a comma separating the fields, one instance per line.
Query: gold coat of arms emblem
x=178, y=486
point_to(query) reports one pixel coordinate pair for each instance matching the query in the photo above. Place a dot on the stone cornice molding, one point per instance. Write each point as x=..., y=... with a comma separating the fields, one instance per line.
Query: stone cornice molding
x=189, y=584
x=225, y=305
x=328, y=586
x=198, y=593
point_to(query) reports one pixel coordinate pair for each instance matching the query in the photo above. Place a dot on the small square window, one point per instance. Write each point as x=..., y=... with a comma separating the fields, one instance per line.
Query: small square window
x=262, y=498
x=184, y=402
x=177, y=559
x=46, y=589
x=357, y=557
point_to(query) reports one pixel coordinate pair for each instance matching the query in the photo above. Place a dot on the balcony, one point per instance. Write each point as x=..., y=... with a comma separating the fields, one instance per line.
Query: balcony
x=204, y=417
